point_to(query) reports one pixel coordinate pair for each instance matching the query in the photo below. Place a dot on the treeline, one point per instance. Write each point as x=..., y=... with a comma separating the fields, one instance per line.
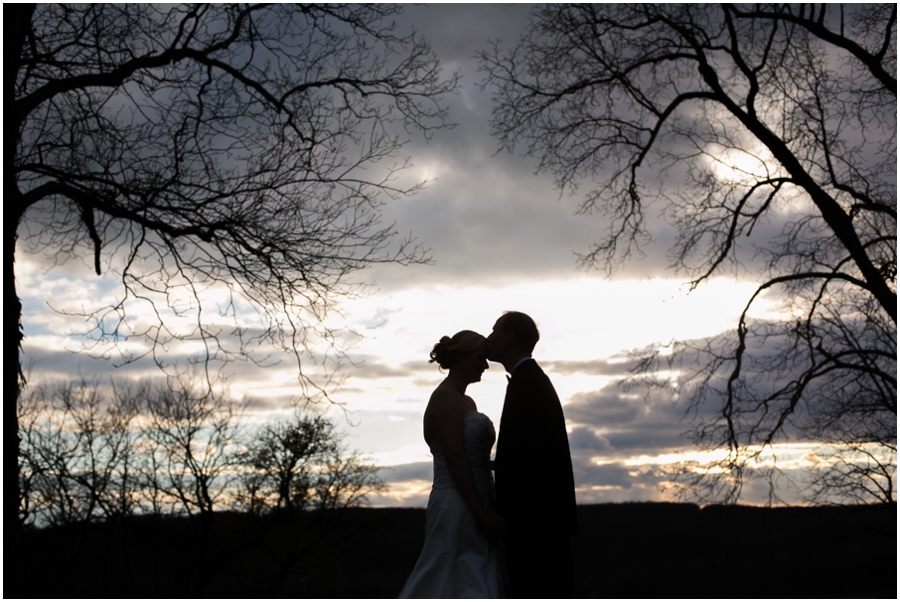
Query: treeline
x=169, y=488
x=97, y=452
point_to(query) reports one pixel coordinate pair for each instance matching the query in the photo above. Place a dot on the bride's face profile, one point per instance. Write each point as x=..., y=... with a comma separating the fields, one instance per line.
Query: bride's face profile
x=472, y=365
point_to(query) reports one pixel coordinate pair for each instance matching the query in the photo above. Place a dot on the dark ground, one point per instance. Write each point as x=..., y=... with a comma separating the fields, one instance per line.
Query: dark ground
x=623, y=551
x=682, y=551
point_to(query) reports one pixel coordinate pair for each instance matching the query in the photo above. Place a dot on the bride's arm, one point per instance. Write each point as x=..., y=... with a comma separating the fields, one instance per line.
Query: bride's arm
x=447, y=416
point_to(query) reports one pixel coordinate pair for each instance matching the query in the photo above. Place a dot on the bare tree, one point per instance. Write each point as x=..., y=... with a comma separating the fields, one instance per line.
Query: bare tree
x=78, y=453
x=101, y=453
x=78, y=470
x=47, y=453
x=190, y=442
x=766, y=116
x=213, y=157
x=346, y=480
x=300, y=464
x=282, y=458
x=298, y=473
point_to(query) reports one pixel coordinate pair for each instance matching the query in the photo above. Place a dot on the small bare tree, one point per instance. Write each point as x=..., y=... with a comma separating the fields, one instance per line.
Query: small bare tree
x=78, y=452
x=346, y=481
x=300, y=464
x=189, y=445
x=282, y=459
x=297, y=475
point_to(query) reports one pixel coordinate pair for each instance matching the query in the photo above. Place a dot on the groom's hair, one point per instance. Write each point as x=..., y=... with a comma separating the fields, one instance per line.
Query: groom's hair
x=522, y=328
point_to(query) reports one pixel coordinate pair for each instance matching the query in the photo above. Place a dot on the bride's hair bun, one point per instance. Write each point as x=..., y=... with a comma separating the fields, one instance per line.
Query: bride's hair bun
x=448, y=349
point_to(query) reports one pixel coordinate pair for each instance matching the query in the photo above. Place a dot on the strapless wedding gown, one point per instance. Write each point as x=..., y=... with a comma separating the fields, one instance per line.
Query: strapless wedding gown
x=457, y=560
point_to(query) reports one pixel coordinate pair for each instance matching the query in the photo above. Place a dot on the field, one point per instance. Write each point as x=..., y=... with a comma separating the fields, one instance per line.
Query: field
x=623, y=551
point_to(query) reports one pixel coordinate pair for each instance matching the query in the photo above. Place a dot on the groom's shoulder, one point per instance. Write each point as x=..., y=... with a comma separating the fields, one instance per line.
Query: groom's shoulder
x=526, y=368
x=533, y=367
x=531, y=371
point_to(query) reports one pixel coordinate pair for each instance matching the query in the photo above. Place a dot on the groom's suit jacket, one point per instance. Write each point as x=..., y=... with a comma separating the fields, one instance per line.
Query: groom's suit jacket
x=533, y=468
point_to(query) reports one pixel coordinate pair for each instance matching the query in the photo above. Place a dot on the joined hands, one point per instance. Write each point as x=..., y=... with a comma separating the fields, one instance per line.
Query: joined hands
x=492, y=526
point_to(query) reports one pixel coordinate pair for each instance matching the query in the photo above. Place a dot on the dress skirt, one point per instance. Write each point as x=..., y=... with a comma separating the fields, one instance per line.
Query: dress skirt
x=457, y=560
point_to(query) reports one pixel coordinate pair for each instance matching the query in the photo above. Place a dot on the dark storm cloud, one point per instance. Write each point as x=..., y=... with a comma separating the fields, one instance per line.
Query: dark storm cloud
x=47, y=365
x=606, y=475
x=487, y=216
x=625, y=424
x=652, y=438
x=583, y=438
x=612, y=422
x=608, y=407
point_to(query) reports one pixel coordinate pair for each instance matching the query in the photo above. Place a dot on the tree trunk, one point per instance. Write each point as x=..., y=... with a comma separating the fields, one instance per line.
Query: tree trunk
x=18, y=17
x=12, y=310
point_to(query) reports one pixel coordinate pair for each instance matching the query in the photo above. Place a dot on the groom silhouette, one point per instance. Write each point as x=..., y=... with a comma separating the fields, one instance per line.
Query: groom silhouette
x=533, y=469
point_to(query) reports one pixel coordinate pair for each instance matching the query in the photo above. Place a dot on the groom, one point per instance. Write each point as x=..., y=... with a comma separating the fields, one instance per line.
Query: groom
x=533, y=469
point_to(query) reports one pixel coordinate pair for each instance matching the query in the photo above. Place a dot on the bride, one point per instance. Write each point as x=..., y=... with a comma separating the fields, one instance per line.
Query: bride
x=459, y=558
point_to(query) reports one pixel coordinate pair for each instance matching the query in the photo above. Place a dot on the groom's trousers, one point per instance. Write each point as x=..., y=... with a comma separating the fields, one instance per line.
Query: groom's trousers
x=540, y=565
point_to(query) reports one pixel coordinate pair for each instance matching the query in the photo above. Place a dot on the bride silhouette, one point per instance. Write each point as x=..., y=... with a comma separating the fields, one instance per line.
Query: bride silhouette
x=460, y=556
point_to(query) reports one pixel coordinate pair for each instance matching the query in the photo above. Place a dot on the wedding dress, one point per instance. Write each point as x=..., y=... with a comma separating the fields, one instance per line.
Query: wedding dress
x=457, y=560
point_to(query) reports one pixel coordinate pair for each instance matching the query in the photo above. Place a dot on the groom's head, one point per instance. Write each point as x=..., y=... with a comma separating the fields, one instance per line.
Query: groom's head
x=514, y=336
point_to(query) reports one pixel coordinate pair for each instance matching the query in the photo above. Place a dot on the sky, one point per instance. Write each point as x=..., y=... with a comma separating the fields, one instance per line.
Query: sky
x=501, y=238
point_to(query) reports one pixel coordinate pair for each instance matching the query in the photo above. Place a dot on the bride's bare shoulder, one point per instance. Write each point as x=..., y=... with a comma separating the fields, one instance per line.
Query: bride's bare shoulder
x=443, y=395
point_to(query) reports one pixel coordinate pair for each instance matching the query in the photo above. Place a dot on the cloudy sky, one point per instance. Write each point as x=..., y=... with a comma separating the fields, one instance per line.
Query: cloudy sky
x=502, y=238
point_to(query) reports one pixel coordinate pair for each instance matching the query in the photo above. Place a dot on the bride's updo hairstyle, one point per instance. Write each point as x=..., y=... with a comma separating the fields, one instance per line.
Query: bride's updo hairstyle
x=448, y=349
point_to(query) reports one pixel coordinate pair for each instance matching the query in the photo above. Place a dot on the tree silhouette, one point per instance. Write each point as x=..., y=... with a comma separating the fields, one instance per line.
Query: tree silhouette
x=300, y=464
x=99, y=460
x=768, y=116
x=297, y=470
x=190, y=438
x=78, y=452
x=284, y=457
x=214, y=158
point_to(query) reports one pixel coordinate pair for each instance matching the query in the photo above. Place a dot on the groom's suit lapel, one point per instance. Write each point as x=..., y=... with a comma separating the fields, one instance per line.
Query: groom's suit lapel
x=510, y=464
x=509, y=417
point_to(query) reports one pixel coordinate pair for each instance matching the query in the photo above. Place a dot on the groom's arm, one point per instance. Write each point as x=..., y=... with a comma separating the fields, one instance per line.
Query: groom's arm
x=540, y=482
x=519, y=450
